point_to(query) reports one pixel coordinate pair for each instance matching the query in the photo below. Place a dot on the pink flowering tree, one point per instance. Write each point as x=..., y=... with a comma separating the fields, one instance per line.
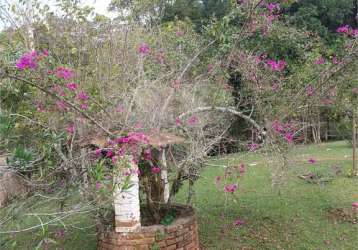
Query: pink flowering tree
x=114, y=85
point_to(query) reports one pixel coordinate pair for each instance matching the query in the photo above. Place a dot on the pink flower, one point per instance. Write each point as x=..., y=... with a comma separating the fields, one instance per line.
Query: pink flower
x=70, y=128
x=179, y=33
x=64, y=73
x=109, y=154
x=355, y=205
x=114, y=159
x=45, y=52
x=71, y=86
x=82, y=96
x=310, y=90
x=289, y=137
x=242, y=169
x=98, y=185
x=98, y=152
x=28, y=61
x=277, y=66
x=335, y=60
x=354, y=33
x=176, y=83
x=320, y=61
x=217, y=180
x=177, y=121
x=192, y=120
x=252, y=146
x=343, y=29
x=273, y=7
x=136, y=171
x=144, y=49
x=258, y=59
x=155, y=170
x=277, y=126
x=84, y=106
x=355, y=90
x=238, y=222
x=147, y=154
x=120, y=109
x=311, y=160
x=122, y=151
x=275, y=87
x=230, y=188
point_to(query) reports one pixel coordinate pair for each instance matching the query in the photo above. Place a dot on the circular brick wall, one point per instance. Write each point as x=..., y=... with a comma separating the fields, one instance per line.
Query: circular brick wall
x=182, y=234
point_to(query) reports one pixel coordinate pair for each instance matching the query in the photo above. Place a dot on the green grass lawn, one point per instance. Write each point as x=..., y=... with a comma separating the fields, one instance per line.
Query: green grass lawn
x=297, y=215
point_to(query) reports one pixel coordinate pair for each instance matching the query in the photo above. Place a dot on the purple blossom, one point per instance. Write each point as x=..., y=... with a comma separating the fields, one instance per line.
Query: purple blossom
x=335, y=60
x=109, y=154
x=98, y=153
x=64, y=73
x=28, y=61
x=147, y=154
x=177, y=121
x=144, y=49
x=275, y=87
x=310, y=90
x=289, y=137
x=343, y=29
x=355, y=205
x=84, y=106
x=217, y=180
x=277, y=66
x=273, y=7
x=155, y=170
x=82, y=96
x=242, y=169
x=252, y=146
x=277, y=126
x=71, y=86
x=311, y=160
x=98, y=185
x=122, y=151
x=120, y=109
x=354, y=33
x=193, y=120
x=238, y=222
x=70, y=128
x=320, y=61
x=230, y=188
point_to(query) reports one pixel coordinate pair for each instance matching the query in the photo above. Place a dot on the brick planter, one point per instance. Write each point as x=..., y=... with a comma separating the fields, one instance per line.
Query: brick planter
x=182, y=234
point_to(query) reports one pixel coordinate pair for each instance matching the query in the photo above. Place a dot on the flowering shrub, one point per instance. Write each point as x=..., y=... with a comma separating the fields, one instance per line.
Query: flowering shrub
x=174, y=80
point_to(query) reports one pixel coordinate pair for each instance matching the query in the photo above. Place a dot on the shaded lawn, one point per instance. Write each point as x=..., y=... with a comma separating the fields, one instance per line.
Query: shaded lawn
x=296, y=217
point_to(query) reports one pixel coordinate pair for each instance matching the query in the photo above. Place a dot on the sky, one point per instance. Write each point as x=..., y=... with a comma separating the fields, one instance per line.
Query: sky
x=100, y=6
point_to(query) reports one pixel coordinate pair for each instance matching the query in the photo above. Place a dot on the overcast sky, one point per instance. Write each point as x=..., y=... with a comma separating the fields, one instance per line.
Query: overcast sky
x=99, y=5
